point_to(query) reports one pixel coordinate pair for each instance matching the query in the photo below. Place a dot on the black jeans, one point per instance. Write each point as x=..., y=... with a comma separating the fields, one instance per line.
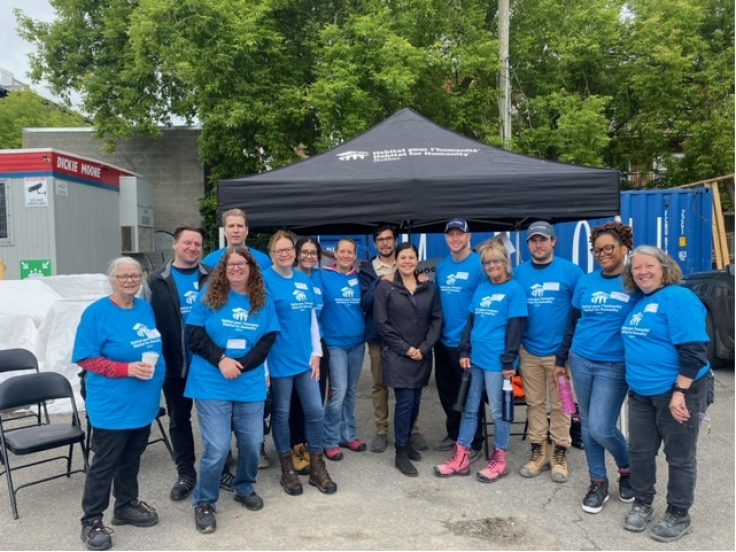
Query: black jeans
x=179, y=409
x=447, y=374
x=117, y=459
x=297, y=423
x=650, y=423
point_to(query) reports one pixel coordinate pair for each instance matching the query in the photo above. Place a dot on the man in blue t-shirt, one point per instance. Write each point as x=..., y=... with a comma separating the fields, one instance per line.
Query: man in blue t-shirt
x=457, y=277
x=235, y=224
x=549, y=284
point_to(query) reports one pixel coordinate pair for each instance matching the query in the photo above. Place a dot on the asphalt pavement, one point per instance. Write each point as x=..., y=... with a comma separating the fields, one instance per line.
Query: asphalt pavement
x=377, y=508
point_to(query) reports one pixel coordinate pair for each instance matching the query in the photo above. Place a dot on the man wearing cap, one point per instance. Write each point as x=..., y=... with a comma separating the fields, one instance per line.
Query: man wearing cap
x=457, y=277
x=371, y=272
x=549, y=283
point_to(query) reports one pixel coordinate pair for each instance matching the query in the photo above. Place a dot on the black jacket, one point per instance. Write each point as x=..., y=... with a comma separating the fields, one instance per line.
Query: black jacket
x=160, y=290
x=369, y=281
x=403, y=321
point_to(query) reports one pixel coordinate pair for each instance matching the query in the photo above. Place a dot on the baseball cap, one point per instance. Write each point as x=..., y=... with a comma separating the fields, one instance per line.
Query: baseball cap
x=460, y=224
x=540, y=228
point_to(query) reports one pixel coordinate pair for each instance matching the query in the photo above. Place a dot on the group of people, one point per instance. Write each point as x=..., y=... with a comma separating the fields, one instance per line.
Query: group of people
x=238, y=326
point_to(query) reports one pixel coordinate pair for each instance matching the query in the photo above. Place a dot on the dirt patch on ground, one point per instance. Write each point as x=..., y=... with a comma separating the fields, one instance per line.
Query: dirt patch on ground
x=507, y=529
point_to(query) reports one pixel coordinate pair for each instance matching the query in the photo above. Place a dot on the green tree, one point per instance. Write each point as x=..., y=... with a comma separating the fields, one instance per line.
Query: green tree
x=26, y=109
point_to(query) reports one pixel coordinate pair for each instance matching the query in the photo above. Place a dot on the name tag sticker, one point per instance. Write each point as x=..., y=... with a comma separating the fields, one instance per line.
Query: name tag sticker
x=462, y=275
x=624, y=298
x=653, y=307
x=153, y=334
x=551, y=286
x=300, y=285
x=353, y=282
x=317, y=291
x=196, y=285
x=236, y=343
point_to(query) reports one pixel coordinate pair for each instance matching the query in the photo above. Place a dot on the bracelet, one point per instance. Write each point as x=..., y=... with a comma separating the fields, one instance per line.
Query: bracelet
x=677, y=389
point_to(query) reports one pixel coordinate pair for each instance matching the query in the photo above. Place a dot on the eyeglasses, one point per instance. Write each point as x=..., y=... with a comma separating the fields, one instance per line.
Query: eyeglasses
x=240, y=266
x=125, y=277
x=305, y=253
x=606, y=249
x=284, y=251
x=492, y=262
x=385, y=240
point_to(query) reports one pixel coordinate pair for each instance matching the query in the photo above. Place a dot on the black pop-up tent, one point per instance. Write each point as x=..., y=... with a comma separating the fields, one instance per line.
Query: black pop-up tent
x=411, y=172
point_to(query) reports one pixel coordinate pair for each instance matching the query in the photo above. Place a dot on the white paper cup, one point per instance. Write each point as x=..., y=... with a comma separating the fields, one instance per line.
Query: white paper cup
x=150, y=358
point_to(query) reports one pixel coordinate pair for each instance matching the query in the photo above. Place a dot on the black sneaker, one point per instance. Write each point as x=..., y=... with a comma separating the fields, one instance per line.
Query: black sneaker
x=182, y=488
x=475, y=455
x=226, y=481
x=675, y=525
x=625, y=491
x=596, y=497
x=445, y=444
x=419, y=442
x=253, y=502
x=95, y=535
x=136, y=513
x=204, y=518
x=637, y=519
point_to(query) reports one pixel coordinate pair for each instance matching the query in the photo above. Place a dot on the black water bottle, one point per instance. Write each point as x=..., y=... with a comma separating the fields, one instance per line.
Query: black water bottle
x=462, y=392
x=508, y=401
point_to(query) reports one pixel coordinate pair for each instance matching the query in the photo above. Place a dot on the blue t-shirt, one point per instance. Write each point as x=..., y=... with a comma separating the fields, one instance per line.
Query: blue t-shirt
x=658, y=323
x=294, y=300
x=456, y=283
x=188, y=287
x=604, y=305
x=236, y=329
x=214, y=258
x=122, y=335
x=343, y=321
x=549, y=294
x=492, y=306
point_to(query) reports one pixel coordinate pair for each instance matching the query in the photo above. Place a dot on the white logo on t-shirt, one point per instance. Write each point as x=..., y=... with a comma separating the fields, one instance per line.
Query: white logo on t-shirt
x=347, y=292
x=141, y=329
x=191, y=297
x=638, y=317
x=487, y=301
x=300, y=295
x=599, y=297
x=451, y=279
x=537, y=290
x=240, y=314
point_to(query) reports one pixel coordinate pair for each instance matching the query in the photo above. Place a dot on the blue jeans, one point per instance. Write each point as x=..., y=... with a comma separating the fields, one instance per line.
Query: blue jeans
x=601, y=389
x=340, y=423
x=406, y=412
x=218, y=420
x=308, y=391
x=492, y=383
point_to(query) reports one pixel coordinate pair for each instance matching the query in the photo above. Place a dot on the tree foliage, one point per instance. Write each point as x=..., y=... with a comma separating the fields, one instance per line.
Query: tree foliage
x=26, y=109
x=637, y=85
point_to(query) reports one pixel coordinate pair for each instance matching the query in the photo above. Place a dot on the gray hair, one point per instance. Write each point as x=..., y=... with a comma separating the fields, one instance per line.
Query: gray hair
x=115, y=263
x=672, y=273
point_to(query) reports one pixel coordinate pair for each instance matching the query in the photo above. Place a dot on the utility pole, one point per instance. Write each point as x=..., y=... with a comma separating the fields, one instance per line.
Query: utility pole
x=504, y=84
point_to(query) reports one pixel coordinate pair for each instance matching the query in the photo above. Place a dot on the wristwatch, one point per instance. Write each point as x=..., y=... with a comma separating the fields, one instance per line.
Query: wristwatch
x=677, y=388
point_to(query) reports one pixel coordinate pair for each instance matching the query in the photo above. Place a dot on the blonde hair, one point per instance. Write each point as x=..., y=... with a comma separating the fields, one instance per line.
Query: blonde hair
x=495, y=249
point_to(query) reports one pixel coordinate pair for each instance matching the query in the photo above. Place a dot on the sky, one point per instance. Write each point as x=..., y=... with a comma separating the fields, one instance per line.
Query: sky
x=13, y=49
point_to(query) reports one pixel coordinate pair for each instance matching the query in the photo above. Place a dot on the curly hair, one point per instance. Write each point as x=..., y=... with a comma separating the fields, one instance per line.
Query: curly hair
x=671, y=271
x=622, y=233
x=219, y=288
x=495, y=249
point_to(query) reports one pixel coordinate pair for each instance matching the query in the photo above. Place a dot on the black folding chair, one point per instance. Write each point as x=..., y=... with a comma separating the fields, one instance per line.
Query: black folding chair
x=487, y=422
x=17, y=360
x=29, y=389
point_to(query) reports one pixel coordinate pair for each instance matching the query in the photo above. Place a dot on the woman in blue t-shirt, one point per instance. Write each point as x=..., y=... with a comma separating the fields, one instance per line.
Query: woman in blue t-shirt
x=489, y=349
x=665, y=339
x=294, y=364
x=600, y=305
x=119, y=349
x=230, y=330
x=308, y=258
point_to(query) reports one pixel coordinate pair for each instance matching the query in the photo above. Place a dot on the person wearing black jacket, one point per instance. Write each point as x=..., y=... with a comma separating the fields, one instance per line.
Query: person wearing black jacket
x=408, y=317
x=171, y=291
x=382, y=266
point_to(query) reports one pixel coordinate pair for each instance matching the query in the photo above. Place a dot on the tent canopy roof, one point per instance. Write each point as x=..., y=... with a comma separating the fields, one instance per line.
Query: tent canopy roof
x=414, y=173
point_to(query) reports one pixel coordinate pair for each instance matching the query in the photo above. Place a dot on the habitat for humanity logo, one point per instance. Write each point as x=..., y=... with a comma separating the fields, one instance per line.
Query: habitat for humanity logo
x=240, y=314
x=191, y=297
x=142, y=330
x=347, y=291
x=299, y=295
x=486, y=302
x=599, y=297
x=352, y=155
x=638, y=317
x=537, y=290
x=451, y=279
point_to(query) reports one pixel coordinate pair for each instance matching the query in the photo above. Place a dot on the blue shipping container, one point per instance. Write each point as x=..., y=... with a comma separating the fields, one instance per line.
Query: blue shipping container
x=678, y=221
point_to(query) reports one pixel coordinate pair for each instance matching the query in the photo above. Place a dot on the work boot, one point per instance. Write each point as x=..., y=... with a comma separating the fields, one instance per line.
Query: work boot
x=289, y=480
x=637, y=519
x=319, y=476
x=300, y=456
x=136, y=513
x=403, y=461
x=459, y=464
x=496, y=468
x=538, y=461
x=675, y=525
x=559, y=463
x=95, y=535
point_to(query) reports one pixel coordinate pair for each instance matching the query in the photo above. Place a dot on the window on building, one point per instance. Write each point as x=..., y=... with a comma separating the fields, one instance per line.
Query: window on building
x=5, y=234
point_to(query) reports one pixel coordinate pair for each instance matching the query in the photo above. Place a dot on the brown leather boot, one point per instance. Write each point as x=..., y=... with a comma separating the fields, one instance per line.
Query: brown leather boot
x=319, y=476
x=538, y=461
x=289, y=480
